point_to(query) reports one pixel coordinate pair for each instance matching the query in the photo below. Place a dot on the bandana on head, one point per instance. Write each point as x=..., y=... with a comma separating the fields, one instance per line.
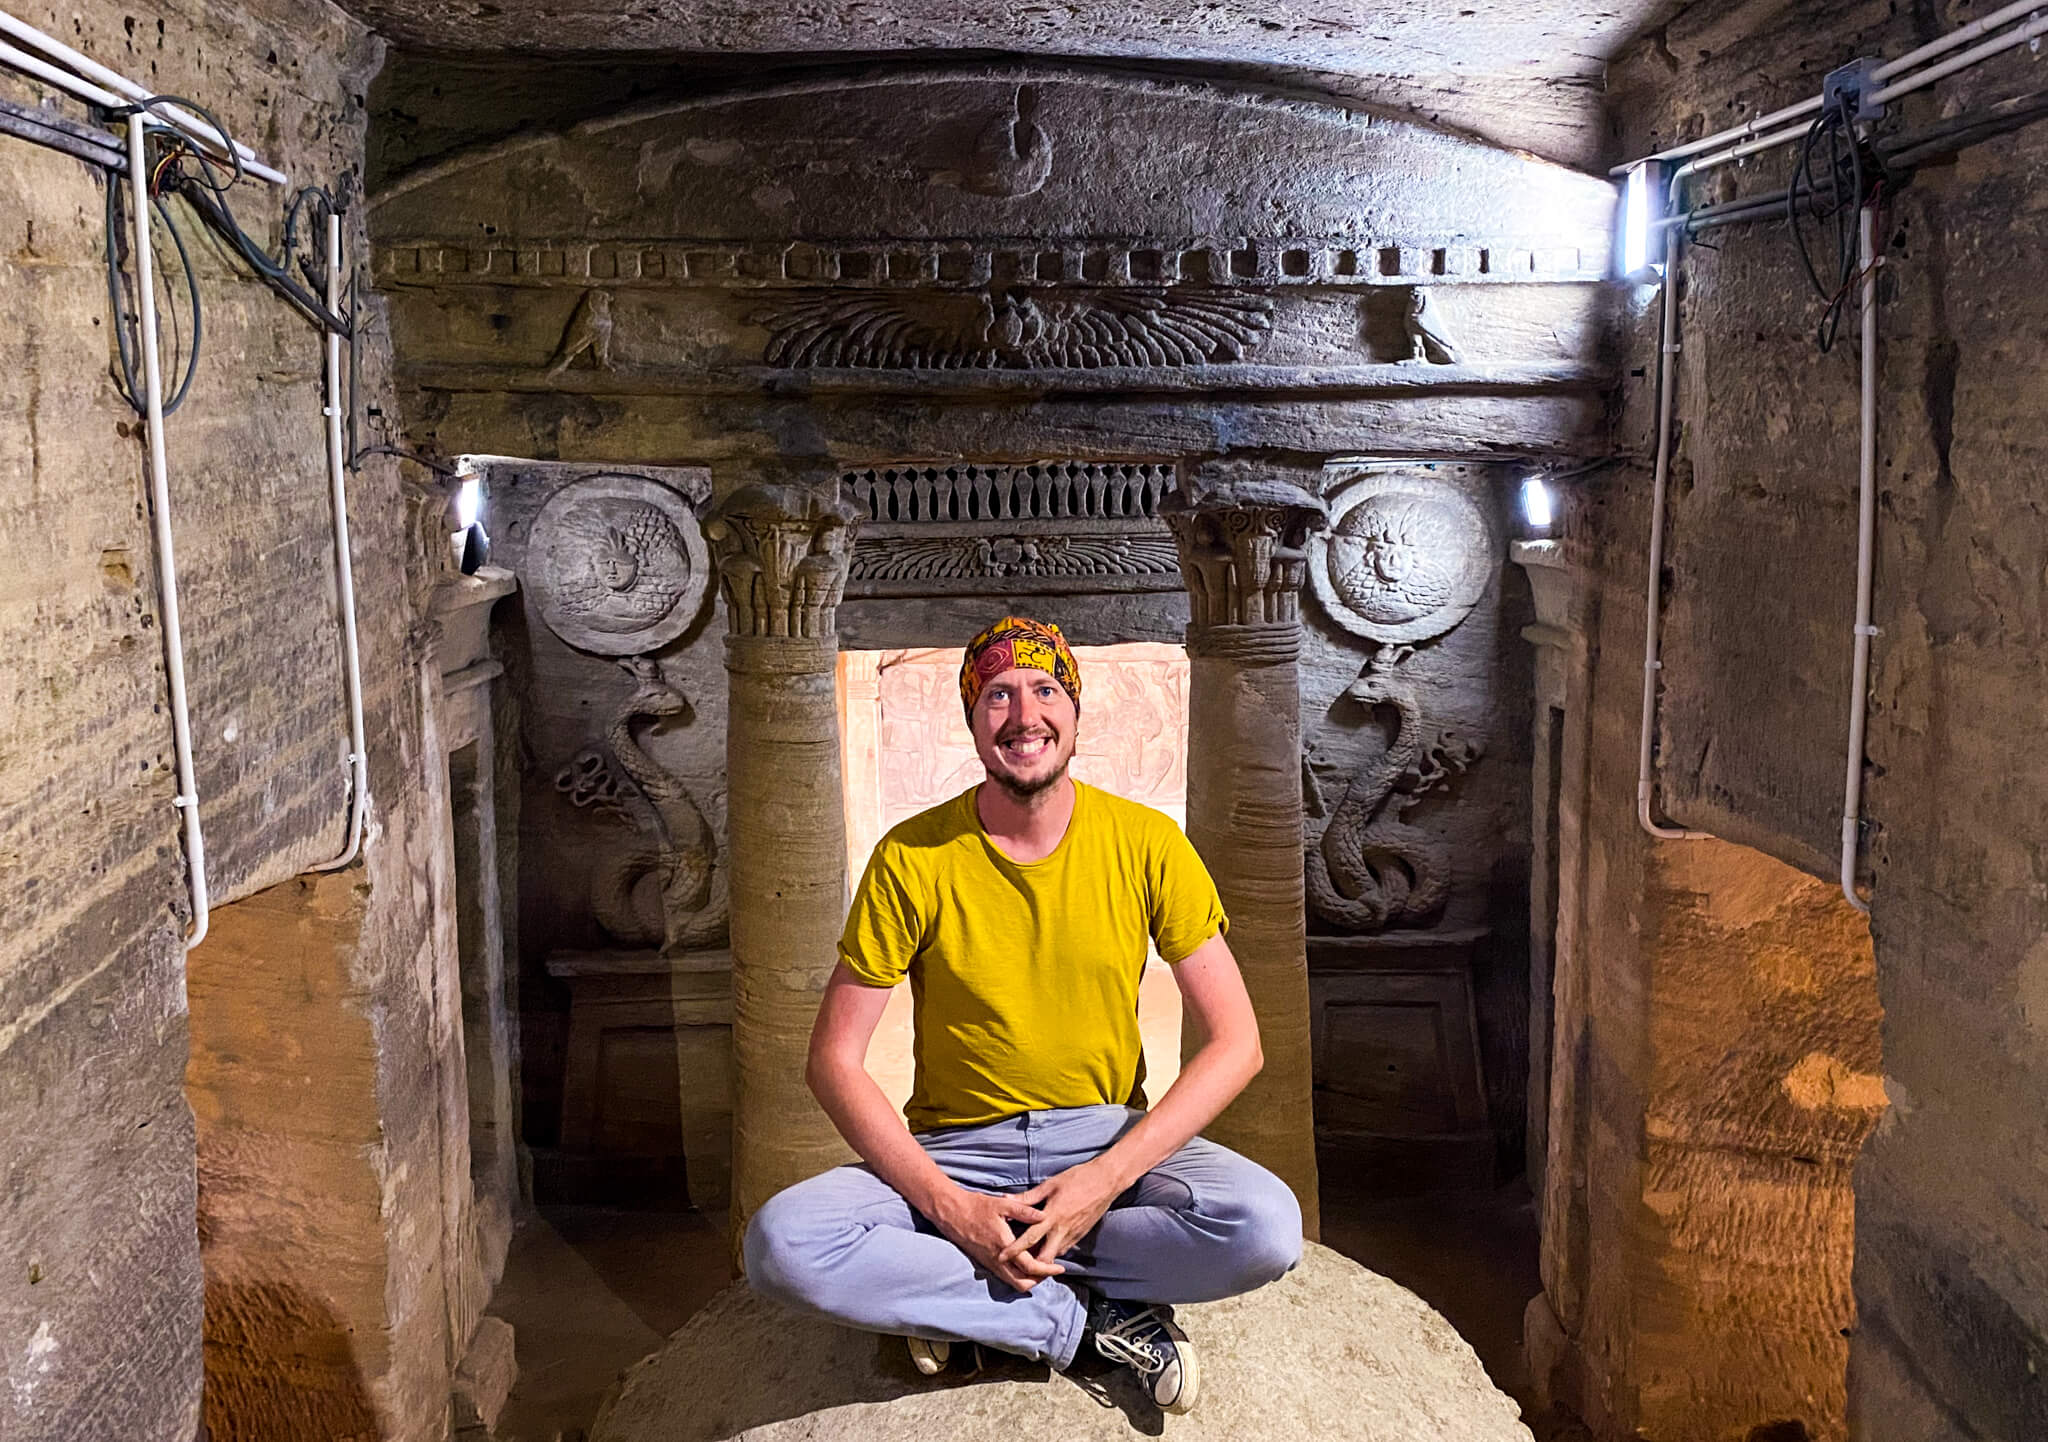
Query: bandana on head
x=1012, y=642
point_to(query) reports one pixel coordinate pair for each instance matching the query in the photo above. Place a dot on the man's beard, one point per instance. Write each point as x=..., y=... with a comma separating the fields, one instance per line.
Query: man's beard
x=1025, y=790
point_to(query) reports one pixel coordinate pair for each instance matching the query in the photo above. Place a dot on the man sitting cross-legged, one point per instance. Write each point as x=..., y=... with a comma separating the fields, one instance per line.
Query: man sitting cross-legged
x=1031, y=1205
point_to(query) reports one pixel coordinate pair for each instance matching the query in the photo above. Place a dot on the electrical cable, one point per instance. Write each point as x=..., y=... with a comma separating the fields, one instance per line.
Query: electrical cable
x=126, y=347
x=444, y=471
x=1854, y=177
x=207, y=193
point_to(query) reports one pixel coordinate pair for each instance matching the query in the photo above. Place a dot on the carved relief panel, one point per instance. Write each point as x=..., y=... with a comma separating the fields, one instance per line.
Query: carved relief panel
x=1408, y=555
x=1050, y=527
x=617, y=579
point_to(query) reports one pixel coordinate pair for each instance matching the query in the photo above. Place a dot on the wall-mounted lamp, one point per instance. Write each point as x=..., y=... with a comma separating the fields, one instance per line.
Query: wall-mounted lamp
x=471, y=543
x=1642, y=241
x=1536, y=507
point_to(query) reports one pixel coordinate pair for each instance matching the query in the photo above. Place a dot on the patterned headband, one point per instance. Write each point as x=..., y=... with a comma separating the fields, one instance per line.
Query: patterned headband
x=1012, y=642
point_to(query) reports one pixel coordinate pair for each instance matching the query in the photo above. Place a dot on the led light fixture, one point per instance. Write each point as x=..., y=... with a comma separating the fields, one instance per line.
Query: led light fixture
x=1536, y=508
x=1642, y=242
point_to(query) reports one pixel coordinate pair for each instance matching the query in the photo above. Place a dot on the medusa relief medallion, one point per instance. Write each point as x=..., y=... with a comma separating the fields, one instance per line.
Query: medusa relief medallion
x=618, y=564
x=1406, y=557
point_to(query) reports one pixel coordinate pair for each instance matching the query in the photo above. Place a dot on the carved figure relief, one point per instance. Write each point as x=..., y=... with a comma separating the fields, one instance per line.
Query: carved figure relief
x=1012, y=155
x=1407, y=557
x=676, y=844
x=1429, y=339
x=589, y=329
x=618, y=564
x=989, y=529
x=1015, y=329
x=1369, y=869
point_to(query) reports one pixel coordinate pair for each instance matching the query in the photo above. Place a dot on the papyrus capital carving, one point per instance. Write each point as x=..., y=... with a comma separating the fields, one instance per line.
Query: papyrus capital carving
x=1244, y=551
x=783, y=553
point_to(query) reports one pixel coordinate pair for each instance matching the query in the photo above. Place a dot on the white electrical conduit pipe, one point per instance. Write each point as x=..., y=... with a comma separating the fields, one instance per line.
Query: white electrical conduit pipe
x=337, y=485
x=2012, y=39
x=1866, y=559
x=1888, y=71
x=1653, y=605
x=86, y=66
x=187, y=798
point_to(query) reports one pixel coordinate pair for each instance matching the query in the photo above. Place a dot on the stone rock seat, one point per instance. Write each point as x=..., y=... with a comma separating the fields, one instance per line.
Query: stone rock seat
x=1330, y=1353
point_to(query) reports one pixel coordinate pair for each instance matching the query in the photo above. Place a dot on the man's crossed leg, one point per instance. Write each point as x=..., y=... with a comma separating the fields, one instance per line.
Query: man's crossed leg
x=1204, y=1224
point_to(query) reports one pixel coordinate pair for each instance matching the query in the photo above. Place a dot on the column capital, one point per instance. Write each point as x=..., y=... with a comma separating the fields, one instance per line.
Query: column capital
x=783, y=553
x=1244, y=551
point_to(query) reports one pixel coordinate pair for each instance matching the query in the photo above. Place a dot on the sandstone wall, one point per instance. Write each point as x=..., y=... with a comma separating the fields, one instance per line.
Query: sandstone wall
x=1950, y=1336
x=101, y=1303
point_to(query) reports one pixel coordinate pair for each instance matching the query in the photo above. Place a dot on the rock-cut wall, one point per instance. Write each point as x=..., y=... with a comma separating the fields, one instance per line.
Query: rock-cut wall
x=1950, y=1334
x=105, y=1207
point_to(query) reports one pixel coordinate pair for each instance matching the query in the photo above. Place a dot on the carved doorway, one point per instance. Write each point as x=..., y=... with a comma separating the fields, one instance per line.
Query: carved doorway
x=905, y=747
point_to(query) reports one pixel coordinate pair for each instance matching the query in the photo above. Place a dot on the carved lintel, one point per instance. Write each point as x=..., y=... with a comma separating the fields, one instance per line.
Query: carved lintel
x=1244, y=552
x=783, y=554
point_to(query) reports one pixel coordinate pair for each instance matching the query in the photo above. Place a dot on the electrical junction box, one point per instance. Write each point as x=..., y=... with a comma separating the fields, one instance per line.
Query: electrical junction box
x=1854, y=83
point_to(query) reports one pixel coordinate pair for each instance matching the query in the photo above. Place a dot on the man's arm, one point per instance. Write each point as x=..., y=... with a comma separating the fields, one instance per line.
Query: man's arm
x=1213, y=998
x=977, y=1223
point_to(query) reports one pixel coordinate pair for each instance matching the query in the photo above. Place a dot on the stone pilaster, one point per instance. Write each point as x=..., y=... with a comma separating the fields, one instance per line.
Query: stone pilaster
x=782, y=557
x=1242, y=552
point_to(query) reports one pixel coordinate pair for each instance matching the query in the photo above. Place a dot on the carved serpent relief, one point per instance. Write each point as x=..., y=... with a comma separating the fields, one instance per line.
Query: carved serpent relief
x=618, y=564
x=1369, y=869
x=676, y=847
x=1015, y=329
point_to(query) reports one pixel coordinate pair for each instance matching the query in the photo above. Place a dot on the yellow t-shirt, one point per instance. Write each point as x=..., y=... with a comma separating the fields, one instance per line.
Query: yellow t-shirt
x=1024, y=976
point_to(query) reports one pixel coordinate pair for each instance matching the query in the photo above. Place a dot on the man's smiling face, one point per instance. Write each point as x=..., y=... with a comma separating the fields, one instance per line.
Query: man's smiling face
x=1023, y=725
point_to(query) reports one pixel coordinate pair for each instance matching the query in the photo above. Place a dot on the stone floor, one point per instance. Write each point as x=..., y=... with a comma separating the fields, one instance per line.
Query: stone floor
x=593, y=1290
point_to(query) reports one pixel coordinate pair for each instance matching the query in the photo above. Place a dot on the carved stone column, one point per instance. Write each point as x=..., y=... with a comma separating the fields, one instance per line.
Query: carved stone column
x=1242, y=555
x=782, y=557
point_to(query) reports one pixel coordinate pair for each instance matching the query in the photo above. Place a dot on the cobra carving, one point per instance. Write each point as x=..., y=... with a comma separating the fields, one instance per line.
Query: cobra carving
x=1370, y=870
x=677, y=846
x=1014, y=329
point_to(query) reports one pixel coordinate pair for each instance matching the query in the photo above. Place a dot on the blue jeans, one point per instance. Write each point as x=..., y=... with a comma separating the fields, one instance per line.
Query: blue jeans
x=1204, y=1224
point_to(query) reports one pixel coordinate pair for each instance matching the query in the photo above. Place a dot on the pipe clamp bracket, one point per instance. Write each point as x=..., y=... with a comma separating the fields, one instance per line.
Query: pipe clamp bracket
x=184, y=799
x=1869, y=631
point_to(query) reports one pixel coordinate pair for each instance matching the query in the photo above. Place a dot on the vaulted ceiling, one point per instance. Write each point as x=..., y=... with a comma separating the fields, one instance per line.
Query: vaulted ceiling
x=1525, y=73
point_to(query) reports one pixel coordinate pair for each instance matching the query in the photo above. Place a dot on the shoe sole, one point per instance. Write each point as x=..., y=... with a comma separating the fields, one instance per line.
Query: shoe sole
x=1190, y=1378
x=930, y=1358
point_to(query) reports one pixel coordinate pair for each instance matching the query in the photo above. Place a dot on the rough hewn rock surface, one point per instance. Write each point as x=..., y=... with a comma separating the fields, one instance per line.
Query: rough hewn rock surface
x=1330, y=1352
x=1950, y=1336
x=1520, y=74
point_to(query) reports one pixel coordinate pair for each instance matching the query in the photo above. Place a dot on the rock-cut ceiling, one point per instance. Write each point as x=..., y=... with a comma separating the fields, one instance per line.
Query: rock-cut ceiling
x=1525, y=73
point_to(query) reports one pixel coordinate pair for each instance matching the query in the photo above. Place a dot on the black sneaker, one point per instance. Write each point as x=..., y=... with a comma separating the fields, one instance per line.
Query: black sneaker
x=932, y=1358
x=1144, y=1338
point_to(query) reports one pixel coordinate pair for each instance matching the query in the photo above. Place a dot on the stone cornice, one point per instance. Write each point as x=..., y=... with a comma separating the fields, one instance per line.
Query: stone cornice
x=1219, y=262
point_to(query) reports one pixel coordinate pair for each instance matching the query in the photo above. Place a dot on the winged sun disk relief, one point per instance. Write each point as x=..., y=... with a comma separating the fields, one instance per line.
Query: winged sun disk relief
x=1014, y=330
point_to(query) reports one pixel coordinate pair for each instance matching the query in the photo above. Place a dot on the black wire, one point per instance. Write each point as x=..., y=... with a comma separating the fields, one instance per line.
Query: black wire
x=1848, y=189
x=446, y=472
x=126, y=349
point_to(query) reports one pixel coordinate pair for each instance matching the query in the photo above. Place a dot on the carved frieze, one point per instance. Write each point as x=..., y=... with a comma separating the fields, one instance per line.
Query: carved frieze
x=617, y=564
x=1050, y=526
x=1014, y=329
x=999, y=263
x=1406, y=557
x=783, y=553
x=1243, y=551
